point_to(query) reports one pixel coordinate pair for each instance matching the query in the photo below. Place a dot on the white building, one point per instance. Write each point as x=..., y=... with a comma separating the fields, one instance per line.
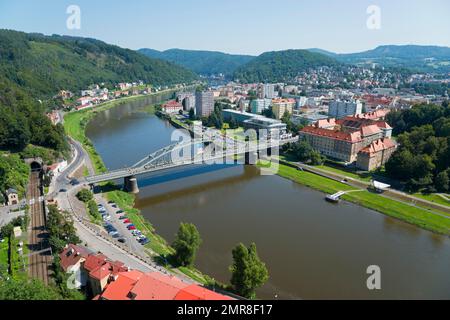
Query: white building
x=340, y=109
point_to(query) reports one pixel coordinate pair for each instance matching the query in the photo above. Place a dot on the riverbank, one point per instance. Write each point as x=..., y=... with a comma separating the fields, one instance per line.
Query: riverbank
x=435, y=222
x=75, y=124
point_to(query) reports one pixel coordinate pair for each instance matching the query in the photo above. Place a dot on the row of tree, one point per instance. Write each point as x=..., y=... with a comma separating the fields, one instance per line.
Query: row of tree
x=422, y=161
x=248, y=271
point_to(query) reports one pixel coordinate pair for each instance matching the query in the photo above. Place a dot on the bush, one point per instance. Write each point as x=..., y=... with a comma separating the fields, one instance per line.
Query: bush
x=85, y=195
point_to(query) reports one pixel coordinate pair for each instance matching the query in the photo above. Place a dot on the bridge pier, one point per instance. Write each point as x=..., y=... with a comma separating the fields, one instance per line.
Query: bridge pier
x=130, y=184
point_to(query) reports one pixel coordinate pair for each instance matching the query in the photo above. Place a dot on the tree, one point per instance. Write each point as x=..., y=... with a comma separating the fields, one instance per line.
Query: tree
x=233, y=123
x=186, y=244
x=248, y=271
x=85, y=195
x=442, y=181
x=15, y=289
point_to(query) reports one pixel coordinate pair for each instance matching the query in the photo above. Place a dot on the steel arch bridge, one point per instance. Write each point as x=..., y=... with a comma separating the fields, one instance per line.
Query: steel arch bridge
x=164, y=159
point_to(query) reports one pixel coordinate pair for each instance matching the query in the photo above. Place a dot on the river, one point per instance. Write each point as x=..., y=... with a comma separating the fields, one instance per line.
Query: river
x=313, y=249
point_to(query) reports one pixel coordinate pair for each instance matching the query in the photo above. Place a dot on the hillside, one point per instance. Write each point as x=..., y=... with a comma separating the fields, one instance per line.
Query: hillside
x=417, y=58
x=281, y=66
x=201, y=62
x=44, y=64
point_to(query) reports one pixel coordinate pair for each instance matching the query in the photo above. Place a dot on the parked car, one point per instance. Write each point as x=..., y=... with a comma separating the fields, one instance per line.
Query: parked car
x=131, y=227
x=111, y=202
x=120, y=212
x=123, y=218
x=144, y=241
x=62, y=190
x=122, y=240
x=74, y=182
x=126, y=221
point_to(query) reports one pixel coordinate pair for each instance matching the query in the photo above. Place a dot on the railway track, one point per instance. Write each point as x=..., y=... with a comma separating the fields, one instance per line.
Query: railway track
x=39, y=260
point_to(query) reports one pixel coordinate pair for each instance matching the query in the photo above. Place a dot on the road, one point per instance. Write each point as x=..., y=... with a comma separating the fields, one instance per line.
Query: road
x=39, y=262
x=93, y=236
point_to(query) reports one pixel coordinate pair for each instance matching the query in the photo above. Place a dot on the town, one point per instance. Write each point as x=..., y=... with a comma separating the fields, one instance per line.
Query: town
x=129, y=171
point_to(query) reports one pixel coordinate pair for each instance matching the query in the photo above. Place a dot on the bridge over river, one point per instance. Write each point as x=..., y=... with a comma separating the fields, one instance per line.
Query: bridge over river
x=192, y=152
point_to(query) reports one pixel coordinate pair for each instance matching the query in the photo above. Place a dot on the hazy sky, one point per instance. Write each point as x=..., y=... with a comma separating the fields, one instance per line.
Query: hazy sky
x=238, y=26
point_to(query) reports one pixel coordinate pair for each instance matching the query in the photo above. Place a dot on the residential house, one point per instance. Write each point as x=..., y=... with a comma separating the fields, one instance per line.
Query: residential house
x=12, y=197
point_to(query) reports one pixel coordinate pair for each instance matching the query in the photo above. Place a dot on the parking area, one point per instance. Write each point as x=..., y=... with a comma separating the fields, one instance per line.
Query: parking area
x=119, y=226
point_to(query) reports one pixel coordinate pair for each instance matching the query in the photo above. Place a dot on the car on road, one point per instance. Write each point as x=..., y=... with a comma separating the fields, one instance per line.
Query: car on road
x=62, y=190
x=74, y=182
x=122, y=240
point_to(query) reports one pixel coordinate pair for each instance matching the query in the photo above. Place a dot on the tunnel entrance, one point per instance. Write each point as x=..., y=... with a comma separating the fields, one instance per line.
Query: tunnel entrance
x=36, y=166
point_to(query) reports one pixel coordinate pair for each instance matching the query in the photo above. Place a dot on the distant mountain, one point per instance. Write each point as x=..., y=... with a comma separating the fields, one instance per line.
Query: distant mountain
x=44, y=64
x=418, y=58
x=282, y=66
x=201, y=62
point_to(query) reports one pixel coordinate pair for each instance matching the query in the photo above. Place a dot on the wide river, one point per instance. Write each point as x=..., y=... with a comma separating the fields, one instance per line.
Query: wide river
x=313, y=250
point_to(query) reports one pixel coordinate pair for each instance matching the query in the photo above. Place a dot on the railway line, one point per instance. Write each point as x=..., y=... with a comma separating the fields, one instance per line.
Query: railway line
x=39, y=259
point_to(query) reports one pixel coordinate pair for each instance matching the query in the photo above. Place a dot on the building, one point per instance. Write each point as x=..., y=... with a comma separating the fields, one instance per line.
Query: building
x=345, y=140
x=259, y=105
x=340, y=109
x=136, y=285
x=204, y=103
x=280, y=106
x=72, y=259
x=172, y=107
x=12, y=197
x=266, y=91
x=253, y=121
x=112, y=280
x=376, y=154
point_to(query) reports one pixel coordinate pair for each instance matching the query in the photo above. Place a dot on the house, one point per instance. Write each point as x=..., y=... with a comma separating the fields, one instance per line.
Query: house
x=136, y=285
x=172, y=107
x=348, y=138
x=72, y=260
x=12, y=197
x=376, y=154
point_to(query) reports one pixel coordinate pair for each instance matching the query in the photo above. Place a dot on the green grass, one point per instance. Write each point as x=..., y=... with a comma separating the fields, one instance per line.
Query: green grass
x=16, y=260
x=366, y=177
x=4, y=260
x=402, y=211
x=433, y=198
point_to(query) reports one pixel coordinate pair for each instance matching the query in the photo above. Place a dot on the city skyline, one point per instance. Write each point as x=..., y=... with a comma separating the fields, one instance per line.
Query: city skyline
x=250, y=28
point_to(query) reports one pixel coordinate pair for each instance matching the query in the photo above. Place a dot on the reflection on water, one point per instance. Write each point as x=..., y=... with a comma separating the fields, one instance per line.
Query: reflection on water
x=312, y=249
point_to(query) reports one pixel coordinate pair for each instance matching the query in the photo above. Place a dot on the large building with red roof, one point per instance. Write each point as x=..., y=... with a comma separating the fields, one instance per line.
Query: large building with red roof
x=344, y=139
x=112, y=280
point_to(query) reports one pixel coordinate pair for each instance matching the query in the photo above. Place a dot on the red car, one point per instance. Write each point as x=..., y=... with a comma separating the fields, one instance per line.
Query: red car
x=131, y=228
x=126, y=221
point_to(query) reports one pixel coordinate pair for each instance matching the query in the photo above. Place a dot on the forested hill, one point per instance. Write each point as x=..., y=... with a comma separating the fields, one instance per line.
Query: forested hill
x=414, y=57
x=201, y=62
x=44, y=64
x=281, y=66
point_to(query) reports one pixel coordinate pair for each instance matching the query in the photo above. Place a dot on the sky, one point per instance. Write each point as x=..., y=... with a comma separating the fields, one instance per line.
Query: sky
x=238, y=26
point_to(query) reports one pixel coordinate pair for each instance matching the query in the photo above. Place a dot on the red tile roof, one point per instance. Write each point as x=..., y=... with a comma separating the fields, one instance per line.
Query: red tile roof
x=195, y=292
x=325, y=123
x=333, y=134
x=370, y=130
x=94, y=261
x=72, y=255
x=378, y=145
x=101, y=272
x=157, y=286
